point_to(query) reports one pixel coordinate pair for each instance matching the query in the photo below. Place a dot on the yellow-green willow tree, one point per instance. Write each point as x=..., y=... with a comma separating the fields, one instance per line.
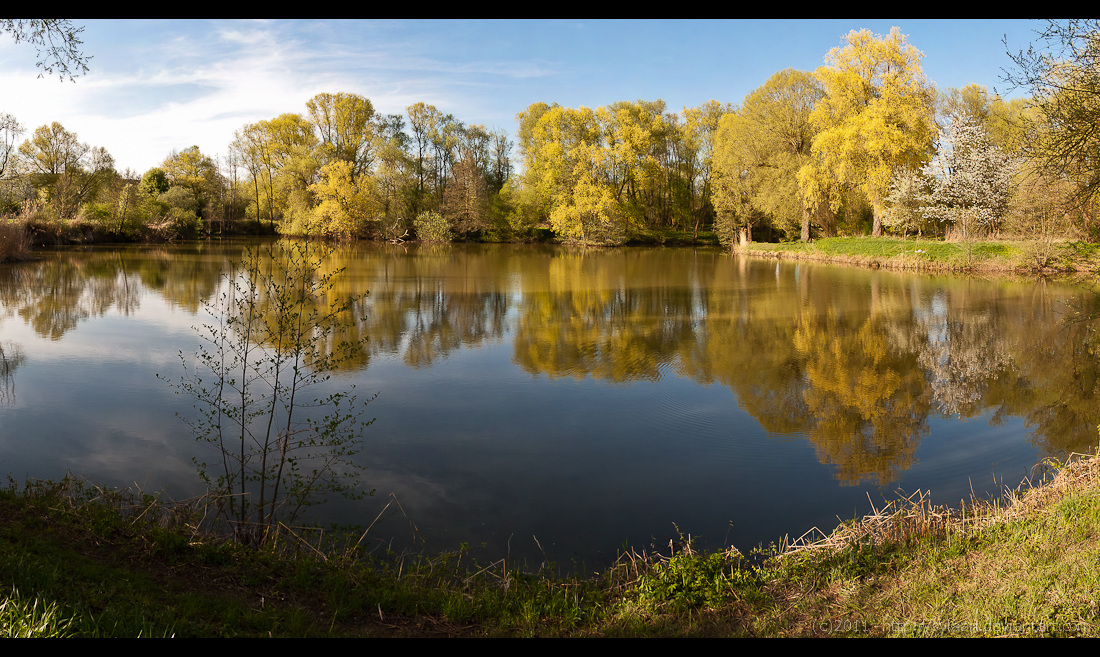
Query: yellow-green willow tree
x=596, y=174
x=252, y=149
x=195, y=172
x=695, y=158
x=762, y=151
x=347, y=206
x=293, y=151
x=734, y=184
x=877, y=113
x=65, y=170
x=346, y=129
x=569, y=163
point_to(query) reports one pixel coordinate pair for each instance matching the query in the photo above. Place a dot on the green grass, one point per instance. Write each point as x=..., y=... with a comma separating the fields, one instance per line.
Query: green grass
x=82, y=562
x=926, y=254
x=31, y=618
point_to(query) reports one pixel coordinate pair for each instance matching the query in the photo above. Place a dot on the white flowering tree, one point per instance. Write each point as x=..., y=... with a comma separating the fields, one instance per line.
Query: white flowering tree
x=970, y=180
x=908, y=194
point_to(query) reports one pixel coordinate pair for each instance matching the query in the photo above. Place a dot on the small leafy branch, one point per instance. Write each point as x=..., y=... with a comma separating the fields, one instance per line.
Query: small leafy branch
x=57, y=41
x=266, y=346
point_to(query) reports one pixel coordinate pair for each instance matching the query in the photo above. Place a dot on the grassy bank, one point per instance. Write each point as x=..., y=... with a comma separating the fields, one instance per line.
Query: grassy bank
x=939, y=255
x=78, y=561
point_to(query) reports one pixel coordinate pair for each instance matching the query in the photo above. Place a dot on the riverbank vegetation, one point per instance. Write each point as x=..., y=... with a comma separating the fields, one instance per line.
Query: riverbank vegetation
x=916, y=254
x=135, y=566
x=864, y=145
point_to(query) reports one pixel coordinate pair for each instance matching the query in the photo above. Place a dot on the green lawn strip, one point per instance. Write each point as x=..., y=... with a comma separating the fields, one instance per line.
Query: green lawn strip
x=905, y=253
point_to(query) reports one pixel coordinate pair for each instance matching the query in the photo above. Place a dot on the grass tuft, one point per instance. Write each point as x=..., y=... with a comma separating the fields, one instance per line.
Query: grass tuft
x=23, y=618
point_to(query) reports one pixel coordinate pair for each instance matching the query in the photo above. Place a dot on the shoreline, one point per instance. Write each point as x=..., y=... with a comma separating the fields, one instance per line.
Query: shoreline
x=136, y=567
x=987, y=257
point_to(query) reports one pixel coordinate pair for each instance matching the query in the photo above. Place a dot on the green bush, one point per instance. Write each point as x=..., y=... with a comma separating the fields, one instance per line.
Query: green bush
x=432, y=227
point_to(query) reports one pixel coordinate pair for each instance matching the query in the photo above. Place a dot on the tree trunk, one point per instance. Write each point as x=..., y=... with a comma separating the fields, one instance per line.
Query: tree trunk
x=805, y=224
x=828, y=220
x=876, y=229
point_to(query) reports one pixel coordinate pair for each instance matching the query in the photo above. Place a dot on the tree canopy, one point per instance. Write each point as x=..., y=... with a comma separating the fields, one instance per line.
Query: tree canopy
x=970, y=178
x=762, y=151
x=876, y=114
x=67, y=170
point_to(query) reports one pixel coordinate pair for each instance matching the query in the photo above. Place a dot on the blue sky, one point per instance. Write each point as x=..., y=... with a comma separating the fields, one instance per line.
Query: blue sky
x=157, y=85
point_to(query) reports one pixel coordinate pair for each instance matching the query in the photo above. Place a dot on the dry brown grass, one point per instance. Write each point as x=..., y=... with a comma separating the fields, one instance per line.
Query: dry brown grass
x=916, y=517
x=1022, y=565
x=1081, y=472
x=896, y=522
x=14, y=243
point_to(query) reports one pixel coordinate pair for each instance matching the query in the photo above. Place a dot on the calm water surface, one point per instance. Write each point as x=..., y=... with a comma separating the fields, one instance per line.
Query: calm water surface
x=589, y=399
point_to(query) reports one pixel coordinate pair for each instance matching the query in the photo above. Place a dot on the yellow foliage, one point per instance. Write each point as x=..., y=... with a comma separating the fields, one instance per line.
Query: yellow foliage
x=346, y=207
x=572, y=162
x=876, y=115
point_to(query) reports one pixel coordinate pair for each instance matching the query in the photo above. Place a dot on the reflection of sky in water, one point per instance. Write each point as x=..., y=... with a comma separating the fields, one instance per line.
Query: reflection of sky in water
x=478, y=448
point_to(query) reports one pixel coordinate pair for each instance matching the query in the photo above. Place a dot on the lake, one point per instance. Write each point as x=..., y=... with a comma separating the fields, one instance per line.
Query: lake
x=564, y=403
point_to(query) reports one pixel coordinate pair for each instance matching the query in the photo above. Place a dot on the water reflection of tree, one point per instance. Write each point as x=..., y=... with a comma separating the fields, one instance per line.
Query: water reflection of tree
x=614, y=315
x=424, y=304
x=1055, y=385
x=963, y=347
x=184, y=277
x=814, y=352
x=49, y=296
x=55, y=294
x=832, y=374
x=851, y=359
x=743, y=339
x=869, y=400
x=11, y=357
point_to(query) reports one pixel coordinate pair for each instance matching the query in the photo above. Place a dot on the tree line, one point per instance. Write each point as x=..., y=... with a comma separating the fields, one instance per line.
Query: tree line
x=863, y=145
x=339, y=169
